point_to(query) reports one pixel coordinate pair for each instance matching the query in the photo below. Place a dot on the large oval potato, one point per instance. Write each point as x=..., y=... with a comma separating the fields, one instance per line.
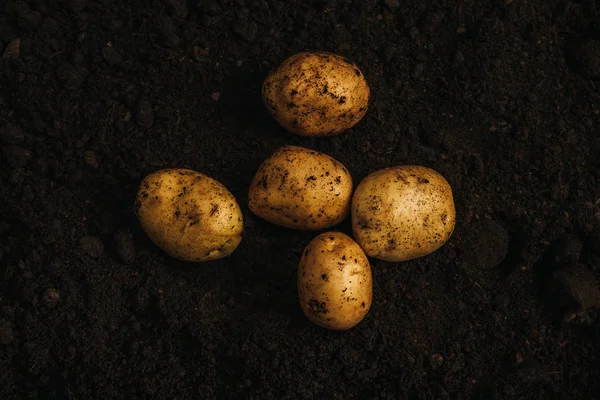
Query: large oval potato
x=316, y=94
x=189, y=215
x=335, y=286
x=403, y=212
x=301, y=188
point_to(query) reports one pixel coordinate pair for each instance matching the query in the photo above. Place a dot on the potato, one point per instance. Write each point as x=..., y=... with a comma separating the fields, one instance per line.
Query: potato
x=302, y=189
x=191, y=216
x=403, y=212
x=316, y=94
x=335, y=286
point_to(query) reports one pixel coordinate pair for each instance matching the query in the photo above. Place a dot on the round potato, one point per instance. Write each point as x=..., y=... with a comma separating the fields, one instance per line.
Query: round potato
x=302, y=189
x=335, y=286
x=189, y=215
x=401, y=213
x=316, y=94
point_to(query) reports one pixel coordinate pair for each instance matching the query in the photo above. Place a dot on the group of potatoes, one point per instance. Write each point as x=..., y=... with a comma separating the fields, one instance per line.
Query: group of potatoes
x=398, y=213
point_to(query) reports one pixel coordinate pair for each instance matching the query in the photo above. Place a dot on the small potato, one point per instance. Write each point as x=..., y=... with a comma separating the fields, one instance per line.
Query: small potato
x=301, y=189
x=401, y=213
x=191, y=216
x=335, y=286
x=316, y=94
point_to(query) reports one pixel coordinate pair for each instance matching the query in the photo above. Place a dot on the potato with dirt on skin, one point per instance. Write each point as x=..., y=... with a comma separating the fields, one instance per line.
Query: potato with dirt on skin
x=403, y=212
x=335, y=286
x=189, y=215
x=302, y=189
x=316, y=94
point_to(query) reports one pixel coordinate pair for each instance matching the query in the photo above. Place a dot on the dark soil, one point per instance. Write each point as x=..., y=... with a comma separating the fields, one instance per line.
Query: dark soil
x=500, y=96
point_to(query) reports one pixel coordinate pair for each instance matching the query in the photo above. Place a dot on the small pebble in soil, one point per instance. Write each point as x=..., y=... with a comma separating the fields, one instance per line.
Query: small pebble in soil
x=12, y=50
x=485, y=245
x=112, y=56
x=125, y=247
x=144, y=115
x=12, y=134
x=90, y=159
x=518, y=359
x=6, y=332
x=92, y=245
x=51, y=298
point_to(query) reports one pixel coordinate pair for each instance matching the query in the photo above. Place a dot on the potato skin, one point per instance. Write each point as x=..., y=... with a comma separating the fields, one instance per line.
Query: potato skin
x=403, y=212
x=302, y=189
x=335, y=285
x=316, y=94
x=189, y=215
